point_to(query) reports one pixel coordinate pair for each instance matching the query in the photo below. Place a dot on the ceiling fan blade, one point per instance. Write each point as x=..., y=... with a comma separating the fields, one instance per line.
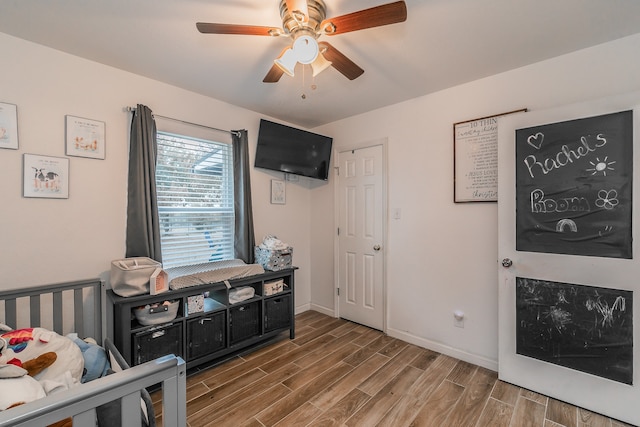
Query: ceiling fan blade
x=299, y=10
x=385, y=14
x=274, y=74
x=249, y=30
x=340, y=62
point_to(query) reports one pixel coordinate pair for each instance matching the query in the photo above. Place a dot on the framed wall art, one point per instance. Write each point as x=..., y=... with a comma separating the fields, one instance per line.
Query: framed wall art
x=278, y=192
x=8, y=126
x=45, y=177
x=159, y=282
x=475, y=152
x=85, y=137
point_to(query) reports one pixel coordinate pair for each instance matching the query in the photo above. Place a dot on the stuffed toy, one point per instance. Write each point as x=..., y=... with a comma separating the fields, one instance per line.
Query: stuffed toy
x=17, y=383
x=29, y=343
x=95, y=358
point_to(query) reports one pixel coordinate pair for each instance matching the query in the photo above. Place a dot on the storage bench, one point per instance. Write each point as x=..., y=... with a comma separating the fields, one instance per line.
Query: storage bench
x=207, y=326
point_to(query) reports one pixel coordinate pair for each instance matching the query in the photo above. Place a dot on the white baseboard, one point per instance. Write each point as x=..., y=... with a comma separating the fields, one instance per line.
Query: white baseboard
x=315, y=307
x=440, y=348
x=302, y=308
x=323, y=310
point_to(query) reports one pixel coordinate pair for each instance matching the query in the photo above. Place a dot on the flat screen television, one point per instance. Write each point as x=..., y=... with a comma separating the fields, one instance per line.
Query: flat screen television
x=295, y=151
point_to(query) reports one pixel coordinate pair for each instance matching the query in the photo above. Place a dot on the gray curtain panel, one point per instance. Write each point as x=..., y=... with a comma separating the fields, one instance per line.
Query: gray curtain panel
x=143, y=225
x=244, y=235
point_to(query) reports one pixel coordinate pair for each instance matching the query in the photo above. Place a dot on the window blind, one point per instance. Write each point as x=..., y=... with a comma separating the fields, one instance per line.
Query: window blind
x=194, y=184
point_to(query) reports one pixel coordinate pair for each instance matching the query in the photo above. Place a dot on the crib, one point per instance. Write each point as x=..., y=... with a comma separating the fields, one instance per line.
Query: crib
x=78, y=307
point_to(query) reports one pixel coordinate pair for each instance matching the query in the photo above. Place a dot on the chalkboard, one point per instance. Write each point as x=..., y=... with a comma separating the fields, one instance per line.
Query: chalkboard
x=573, y=186
x=586, y=328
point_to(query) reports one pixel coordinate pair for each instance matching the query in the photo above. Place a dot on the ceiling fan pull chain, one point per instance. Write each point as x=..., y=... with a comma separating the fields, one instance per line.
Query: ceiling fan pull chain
x=304, y=69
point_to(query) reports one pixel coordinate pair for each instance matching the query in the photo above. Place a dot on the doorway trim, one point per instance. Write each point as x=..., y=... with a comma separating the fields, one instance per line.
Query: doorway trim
x=385, y=221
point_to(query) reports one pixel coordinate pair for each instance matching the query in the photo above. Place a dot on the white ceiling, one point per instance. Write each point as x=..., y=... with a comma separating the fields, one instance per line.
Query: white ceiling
x=443, y=43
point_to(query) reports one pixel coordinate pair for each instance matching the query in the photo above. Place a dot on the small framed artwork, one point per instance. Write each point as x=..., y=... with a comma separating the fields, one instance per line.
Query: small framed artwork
x=85, y=137
x=45, y=177
x=158, y=282
x=278, y=192
x=8, y=126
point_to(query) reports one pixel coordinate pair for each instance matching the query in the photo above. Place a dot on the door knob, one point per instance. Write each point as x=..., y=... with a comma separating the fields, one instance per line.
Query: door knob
x=506, y=263
x=376, y=248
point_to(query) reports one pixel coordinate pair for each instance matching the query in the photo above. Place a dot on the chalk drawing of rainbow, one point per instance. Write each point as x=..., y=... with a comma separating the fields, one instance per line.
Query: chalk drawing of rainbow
x=563, y=224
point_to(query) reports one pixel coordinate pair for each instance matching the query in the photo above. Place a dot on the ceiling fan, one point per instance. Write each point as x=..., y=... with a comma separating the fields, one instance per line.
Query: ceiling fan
x=305, y=21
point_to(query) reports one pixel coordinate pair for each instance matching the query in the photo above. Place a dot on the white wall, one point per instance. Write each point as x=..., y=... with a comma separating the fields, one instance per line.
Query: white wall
x=442, y=256
x=51, y=240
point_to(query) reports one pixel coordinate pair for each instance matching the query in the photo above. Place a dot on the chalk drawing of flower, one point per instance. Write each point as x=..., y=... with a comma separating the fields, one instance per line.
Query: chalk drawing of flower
x=607, y=199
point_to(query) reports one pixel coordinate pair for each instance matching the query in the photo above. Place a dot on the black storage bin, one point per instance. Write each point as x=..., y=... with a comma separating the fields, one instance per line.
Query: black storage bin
x=244, y=322
x=277, y=313
x=151, y=344
x=206, y=335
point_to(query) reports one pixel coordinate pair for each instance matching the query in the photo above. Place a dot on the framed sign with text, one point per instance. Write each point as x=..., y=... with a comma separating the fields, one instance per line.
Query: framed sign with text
x=475, y=167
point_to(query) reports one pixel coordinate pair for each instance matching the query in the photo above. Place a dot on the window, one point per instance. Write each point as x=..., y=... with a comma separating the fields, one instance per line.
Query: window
x=194, y=184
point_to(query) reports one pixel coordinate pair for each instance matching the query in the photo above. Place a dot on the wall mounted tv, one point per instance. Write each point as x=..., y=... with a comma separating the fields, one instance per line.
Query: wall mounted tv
x=295, y=151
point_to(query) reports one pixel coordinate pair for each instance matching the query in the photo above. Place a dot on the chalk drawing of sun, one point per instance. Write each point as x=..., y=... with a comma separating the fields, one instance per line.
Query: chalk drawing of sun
x=601, y=166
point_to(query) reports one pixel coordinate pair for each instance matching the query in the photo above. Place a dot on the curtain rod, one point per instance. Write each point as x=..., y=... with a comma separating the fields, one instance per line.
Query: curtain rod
x=133, y=109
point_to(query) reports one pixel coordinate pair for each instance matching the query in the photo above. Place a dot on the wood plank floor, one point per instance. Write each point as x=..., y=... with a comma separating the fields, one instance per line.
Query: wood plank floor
x=338, y=373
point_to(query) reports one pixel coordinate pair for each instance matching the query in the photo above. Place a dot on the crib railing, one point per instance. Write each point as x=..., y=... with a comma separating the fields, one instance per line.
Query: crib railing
x=81, y=402
x=24, y=308
x=77, y=307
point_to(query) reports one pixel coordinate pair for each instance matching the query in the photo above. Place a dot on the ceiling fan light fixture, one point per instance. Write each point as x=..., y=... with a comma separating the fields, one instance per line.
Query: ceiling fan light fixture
x=287, y=61
x=306, y=49
x=320, y=64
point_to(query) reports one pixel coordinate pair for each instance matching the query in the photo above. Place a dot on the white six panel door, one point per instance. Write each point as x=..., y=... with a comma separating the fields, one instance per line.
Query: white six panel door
x=361, y=228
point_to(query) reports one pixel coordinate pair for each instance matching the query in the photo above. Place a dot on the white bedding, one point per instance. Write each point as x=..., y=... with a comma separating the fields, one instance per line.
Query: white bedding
x=30, y=343
x=23, y=345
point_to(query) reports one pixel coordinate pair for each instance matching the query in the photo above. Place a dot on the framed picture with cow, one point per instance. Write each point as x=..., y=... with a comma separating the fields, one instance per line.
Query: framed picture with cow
x=45, y=177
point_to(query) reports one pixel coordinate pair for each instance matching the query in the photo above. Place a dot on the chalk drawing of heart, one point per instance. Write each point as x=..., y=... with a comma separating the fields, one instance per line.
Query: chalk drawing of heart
x=536, y=140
